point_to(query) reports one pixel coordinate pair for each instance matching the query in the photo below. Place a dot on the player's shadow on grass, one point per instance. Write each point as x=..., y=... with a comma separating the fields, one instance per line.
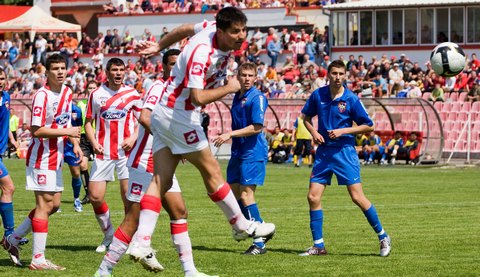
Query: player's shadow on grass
x=213, y=249
x=284, y=250
x=6, y=263
x=73, y=247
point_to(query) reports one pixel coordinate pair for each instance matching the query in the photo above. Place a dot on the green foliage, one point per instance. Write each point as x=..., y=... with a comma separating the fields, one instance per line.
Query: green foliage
x=432, y=215
x=17, y=2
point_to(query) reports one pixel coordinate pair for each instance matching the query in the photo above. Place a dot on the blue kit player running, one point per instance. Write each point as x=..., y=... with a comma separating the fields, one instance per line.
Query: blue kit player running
x=73, y=162
x=337, y=109
x=6, y=183
x=246, y=168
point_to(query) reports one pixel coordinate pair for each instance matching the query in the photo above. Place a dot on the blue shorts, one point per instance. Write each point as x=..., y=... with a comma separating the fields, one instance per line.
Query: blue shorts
x=341, y=161
x=69, y=157
x=3, y=169
x=246, y=173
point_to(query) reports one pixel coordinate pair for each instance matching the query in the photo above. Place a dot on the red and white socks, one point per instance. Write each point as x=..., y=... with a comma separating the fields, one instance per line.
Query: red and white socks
x=225, y=199
x=117, y=248
x=39, y=240
x=149, y=210
x=181, y=240
x=102, y=214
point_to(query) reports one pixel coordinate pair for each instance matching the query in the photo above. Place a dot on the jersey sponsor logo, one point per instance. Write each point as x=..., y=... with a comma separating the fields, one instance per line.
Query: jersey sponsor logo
x=197, y=69
x=37, y=111
x=191, y=137
x=62, y=119
x=136, y=189
x=342, y=107
x=42, y=179
x=152, y=99
x=113, y=114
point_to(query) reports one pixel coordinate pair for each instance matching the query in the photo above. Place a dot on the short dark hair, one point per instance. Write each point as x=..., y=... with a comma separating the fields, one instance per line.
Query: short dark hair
x=55, y=58
x=398, y=132
x=229, y=15
x=337, y=64
x=114, y=61
x=171, y=52
x=247, y=66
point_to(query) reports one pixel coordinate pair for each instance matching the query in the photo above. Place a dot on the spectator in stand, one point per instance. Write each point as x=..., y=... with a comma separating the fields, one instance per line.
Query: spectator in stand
x=116, y=42
x=475, y=62
x=13, y=54
x=437, y=94
x=396, y=77
x=107, y=42
x=449, y=84
x=308, y=62
x=460, y=83
x=40, y=46
x=474, y=93
x=414, y=91
x=413, y=73
x=298, y=49
x=253, y=52
x=274, y=49
x=374, y=149
x=97, y=58
x=351, y=62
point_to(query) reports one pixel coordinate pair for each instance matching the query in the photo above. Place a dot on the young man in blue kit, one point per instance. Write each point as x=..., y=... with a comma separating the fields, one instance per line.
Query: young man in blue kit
x=246, y=168
x=73, y=162
x=6, y=183
x=337, y=109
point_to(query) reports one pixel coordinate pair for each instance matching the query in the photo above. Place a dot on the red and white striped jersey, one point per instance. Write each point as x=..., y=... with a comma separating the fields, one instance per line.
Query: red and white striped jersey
x=115, y=114
x=50, y=110
x=200, y=65
x=141, y=156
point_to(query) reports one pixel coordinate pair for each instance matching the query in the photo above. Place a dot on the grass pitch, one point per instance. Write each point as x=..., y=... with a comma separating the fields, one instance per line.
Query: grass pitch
x=431, y=214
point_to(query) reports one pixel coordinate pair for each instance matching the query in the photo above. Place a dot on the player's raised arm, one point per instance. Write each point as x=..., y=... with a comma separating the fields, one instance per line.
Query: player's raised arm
x=149, y=48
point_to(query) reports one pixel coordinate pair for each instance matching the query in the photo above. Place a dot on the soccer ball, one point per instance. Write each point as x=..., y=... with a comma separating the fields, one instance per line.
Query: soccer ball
x=447, y=59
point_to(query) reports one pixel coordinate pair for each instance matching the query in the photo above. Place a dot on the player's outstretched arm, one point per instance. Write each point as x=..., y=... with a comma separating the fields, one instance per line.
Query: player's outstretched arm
x=149, y=48
x=202, y=97
x=44, y=132
x=250, y=130
x=360, y=129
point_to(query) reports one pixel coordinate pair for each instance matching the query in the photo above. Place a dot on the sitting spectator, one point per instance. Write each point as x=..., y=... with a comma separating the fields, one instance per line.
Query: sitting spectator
x=437, y=94
x=360, y=141
x=276, y=153
x=474, y=93
x=392, y=147
x=109, y=8
x=396, y=77
x=409, y=149
x=374, y=149
x=381, y=87
x=460, y=83
x=413, y=90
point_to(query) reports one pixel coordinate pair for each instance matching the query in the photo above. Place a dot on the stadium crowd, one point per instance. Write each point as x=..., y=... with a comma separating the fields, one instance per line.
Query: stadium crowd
x=160, y=6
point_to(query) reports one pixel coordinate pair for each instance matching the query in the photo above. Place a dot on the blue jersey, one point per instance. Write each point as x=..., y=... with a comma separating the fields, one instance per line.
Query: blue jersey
x=4, y=121
x=76, y=122
x=247, y=110
x=336, y=114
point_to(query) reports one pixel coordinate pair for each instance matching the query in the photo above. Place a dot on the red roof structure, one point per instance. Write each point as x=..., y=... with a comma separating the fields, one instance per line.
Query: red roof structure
x=10, y=12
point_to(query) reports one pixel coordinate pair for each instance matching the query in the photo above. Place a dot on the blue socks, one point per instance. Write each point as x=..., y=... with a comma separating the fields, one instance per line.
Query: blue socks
x=6, y=211
x=252, y=212
x=316, y=225
x=76, y=186
x=372, y=217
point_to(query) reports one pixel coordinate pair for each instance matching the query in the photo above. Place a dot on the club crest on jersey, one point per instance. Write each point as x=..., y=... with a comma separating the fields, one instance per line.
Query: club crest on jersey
x=113, y=114
x=342, y=107
x=191, y=137
x=244, y=100
x=103, y=101
x=136, y=189
x=42, y=179
x=62, y=119
x=197, y=69
x=55, y=105
x=37, y=111
x=152, y=99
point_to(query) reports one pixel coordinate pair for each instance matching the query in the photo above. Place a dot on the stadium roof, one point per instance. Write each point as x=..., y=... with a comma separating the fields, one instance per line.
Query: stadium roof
x=11, y=12
x=375, y=4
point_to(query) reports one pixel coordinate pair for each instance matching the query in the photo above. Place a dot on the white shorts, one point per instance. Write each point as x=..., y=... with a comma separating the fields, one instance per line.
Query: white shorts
x=103, y=170
x=139, y=182
x=44, y=179
x=178, y=130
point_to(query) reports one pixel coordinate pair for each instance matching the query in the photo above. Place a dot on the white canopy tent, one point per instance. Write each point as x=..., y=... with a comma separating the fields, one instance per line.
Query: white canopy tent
x=36, y=20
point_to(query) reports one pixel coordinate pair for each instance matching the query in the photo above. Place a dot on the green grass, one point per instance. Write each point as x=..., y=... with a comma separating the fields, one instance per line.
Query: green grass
x=432, y=215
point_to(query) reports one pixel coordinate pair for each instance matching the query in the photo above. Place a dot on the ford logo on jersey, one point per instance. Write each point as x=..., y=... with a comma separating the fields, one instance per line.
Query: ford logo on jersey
x=62, y=119
x=113, y=114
